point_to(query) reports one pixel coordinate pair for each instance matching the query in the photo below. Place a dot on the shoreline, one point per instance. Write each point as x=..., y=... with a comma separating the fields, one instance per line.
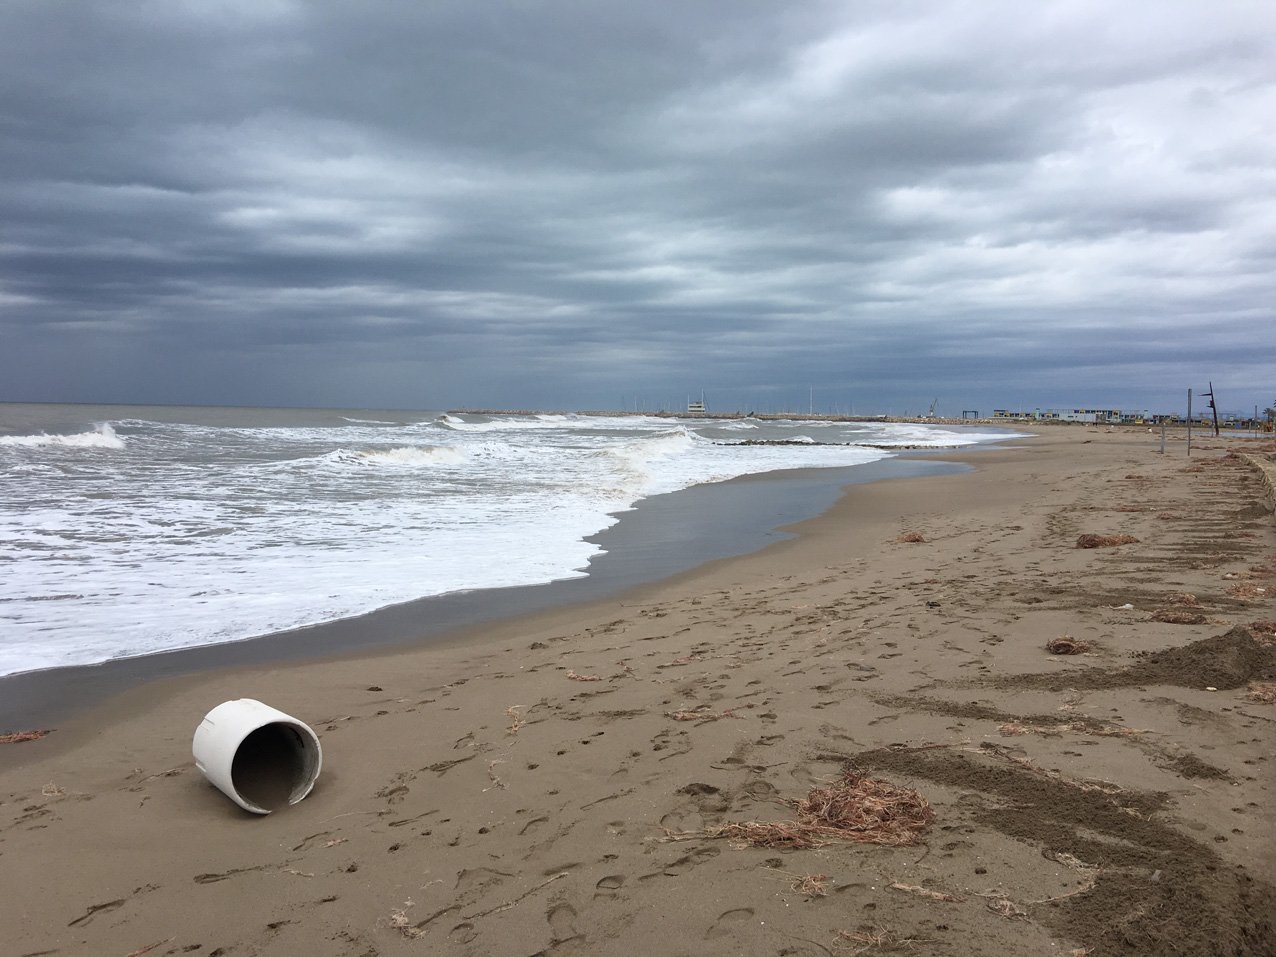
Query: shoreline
x=663, y=535
x=557, y=782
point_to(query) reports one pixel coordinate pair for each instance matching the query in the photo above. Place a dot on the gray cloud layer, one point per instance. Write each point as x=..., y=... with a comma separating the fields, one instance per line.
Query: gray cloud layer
x=561, y=204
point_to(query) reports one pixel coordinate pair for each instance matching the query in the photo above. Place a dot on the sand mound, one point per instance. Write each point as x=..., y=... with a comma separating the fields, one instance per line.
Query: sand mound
x=1153, y=890
x=1224, y=661
x=1104, y=541
x=1227, y=661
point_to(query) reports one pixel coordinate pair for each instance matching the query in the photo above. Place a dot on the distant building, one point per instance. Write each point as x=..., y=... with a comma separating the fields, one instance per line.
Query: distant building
x=1109, y=416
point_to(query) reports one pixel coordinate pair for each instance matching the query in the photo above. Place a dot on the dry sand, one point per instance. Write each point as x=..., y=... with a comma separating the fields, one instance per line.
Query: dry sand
x=553, y=784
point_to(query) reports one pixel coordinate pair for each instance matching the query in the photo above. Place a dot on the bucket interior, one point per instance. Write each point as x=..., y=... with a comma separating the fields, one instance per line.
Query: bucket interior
x=274, y=766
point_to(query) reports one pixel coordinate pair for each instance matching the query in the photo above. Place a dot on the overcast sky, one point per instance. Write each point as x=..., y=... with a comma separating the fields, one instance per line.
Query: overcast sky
x=429, y=204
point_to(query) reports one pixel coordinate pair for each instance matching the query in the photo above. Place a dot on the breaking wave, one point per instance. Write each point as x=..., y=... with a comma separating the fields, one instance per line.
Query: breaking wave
x=408, y=455
x=102, y=437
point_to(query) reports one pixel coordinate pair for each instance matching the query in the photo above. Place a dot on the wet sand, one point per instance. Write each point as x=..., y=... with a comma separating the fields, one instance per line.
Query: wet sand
x=559, y=783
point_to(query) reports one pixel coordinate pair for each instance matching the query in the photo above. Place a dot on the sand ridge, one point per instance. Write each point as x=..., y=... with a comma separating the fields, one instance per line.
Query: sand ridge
x=552, y=786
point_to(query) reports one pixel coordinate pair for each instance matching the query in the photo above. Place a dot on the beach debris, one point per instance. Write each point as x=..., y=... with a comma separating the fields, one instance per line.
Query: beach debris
x=399, y=921
x=259, y=757
x=1012, y=729
x=701, y=714
x=770, y=834
x=927, y=892
x=575, y=677
x=1264, y=632
x=682, y=660
x=911, y=538
x=51, y=790
x=516, y=719
x=1185, y=599
x=1005, y=907
x=17, y=737
x=811, y=885
x=1067, y=645
x=854, y=808
x=1104, y=541
x=492, y=775
x=879, y=937
x=1264, y=692
x=1247, y=591
x=1171, y=616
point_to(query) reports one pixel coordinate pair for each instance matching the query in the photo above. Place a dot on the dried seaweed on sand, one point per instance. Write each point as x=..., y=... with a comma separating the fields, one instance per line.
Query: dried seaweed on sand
x=878, y=937
x=1248, y=591
x=1104, y=541
x=576, y=677
x=1173, y=616
x=811, y=885
x=911, y=538
x=1264, y=692
x=855, y=808
x=700, y=714
x=1067, y=645
x=16, y=737
x=927, y=892
x=1012, y=729
x=1264, y=632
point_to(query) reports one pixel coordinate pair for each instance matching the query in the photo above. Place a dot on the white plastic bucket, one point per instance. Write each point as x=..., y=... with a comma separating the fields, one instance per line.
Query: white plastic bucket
x=259, y=757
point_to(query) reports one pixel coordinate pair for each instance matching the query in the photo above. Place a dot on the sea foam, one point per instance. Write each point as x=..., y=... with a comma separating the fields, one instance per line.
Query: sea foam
x=102, y=436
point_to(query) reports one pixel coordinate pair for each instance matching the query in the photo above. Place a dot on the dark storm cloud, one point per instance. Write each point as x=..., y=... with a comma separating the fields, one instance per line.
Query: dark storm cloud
x=560, y=203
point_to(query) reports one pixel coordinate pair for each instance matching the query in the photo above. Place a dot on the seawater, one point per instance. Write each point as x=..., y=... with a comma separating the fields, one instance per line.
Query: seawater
x=132, y=530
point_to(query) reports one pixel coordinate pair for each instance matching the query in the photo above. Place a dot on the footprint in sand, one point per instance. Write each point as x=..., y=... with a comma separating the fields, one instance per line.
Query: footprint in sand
x=94, y=910
x=462, y=933
x=608, y=887
x=685, y=863
x=562, y=927
x=756, y=791
x=728, y=921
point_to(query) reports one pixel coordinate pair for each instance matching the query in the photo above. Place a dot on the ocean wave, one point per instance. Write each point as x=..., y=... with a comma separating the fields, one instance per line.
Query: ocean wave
x=643, y=455
x=408, y=455
x=102, y=437
x=923, y=436
x=506, y=425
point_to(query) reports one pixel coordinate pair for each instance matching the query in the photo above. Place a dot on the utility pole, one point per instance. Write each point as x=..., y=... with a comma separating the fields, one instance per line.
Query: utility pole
x=1213, y=407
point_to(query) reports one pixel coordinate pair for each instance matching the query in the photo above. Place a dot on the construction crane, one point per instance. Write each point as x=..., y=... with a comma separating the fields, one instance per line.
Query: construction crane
x=930, y=413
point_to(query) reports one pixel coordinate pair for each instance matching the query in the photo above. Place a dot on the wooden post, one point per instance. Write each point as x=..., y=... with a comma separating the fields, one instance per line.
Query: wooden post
x=1189, y=423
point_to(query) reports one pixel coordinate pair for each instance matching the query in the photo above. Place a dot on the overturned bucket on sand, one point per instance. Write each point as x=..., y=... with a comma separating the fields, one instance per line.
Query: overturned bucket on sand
x=259, y=757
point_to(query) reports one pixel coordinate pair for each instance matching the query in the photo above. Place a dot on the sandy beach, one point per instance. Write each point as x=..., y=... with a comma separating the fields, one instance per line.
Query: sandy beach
x=605, y=778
